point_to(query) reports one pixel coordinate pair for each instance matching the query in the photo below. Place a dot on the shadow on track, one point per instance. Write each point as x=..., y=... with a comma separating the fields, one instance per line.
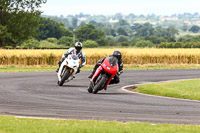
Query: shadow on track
x=110, y=93
x=74, y=86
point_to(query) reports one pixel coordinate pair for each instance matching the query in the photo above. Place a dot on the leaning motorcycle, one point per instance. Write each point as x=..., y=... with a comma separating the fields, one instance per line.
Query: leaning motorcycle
x=68, y=69
x=103, y=75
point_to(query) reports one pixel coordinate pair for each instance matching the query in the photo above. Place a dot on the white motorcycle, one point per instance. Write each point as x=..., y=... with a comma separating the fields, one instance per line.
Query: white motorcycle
x=68, y=69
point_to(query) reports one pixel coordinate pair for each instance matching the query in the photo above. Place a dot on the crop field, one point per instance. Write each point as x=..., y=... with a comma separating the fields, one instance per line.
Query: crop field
x=137, y=56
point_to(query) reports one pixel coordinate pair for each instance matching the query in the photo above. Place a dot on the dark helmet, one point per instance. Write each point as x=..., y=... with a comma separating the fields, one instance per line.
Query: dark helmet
x=78, y=46
x=117, y=54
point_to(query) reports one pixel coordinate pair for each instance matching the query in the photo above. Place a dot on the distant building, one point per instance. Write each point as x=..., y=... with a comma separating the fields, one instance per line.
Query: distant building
x=113, y=21
x=186, y=22
x=196, y=22
x=82, y=19
x=168, y=18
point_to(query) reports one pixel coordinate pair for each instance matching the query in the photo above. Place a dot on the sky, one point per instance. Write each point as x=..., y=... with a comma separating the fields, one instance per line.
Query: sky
x=111, y=7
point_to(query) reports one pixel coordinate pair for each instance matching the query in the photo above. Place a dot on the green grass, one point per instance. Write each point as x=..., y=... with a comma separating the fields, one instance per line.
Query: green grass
x=89, y=67
x=187, y=89
x=9, y=124
x=152, y=67
x=33, y=69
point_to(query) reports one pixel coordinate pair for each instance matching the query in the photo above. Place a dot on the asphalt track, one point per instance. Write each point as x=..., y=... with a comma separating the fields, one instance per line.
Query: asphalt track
x=36, y=94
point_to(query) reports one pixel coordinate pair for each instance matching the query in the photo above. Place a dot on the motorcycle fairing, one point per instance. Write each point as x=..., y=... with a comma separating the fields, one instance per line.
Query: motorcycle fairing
x=99, y=69
x=110, y=65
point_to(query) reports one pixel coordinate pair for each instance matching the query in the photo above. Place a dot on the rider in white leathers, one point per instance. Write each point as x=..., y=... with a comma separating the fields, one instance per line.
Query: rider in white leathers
x=77, y=50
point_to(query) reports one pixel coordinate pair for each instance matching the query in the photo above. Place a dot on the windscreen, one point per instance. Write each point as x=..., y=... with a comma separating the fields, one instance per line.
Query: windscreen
x=75, y=57
x=113, y=61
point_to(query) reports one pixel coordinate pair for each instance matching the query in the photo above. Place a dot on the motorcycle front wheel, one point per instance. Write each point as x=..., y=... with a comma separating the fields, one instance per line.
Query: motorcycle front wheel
x=99, y=85
x=64, y=77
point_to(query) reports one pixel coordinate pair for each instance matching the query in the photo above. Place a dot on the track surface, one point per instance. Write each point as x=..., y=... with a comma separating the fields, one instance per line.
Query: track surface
x=36, y=94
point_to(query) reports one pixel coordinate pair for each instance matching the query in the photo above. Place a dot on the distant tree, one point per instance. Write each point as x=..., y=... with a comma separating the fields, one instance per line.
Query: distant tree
x=93, y=22
x=97, y=25
x=109, y=31
x=82, y=23
x=5, y=36
x=185, y=27
x=19, y=19
x=144, y=31
x=172, y=31
x=52, y=40
x=65, y=40
x=74, y=22
x=121, y=38
x=125, y=43
x=121, y=31
x=156, y=40
x=194, y=29
x=133, y=41
x=90, y=44
x=136, y=27
x=89, y=32
x=30, y=43
x=123, y=22
x=118, y=16
x=144, y=43
x=49, y=28
x=159, y=32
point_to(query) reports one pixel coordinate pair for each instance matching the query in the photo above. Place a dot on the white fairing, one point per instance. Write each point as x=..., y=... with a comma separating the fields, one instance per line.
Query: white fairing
x=71, y=62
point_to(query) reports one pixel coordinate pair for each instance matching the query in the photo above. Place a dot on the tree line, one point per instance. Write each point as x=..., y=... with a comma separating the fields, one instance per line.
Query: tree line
x=21, y=25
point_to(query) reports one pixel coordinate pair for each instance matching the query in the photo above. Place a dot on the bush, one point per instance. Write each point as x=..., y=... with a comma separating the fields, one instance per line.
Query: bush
x=8, y=47
x=30, y=43
x=144, y=43
x=125, y=43
x=121, y=38
x=52, y=40
x=65, y=40
x=90, y=44
x=177, y=45
x=46, y=44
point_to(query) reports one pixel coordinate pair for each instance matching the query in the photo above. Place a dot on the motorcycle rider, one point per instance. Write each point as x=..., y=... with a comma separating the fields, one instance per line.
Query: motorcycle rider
x=116, y=79
x=76, y=50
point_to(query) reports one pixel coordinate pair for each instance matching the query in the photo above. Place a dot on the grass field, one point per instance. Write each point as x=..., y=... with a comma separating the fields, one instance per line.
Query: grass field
x=9, y=124
x=188, y=89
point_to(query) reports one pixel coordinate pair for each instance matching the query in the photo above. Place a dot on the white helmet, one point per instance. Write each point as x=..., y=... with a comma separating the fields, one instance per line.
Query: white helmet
x=78, y=46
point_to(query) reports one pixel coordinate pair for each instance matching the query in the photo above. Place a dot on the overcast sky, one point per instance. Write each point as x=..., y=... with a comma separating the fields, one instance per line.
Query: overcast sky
x=111, y=7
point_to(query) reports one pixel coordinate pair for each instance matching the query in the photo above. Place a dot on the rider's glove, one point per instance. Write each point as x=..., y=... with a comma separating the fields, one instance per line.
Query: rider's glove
x=120, y=72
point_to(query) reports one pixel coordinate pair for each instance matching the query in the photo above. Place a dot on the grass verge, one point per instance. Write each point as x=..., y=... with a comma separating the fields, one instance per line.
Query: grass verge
x=10, y=124
x=33, y=68
x=187, y=89
x=90, y=67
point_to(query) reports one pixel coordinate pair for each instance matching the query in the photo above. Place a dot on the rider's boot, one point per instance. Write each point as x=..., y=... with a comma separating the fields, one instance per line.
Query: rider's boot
x=105, y=88
x=90, y=76
x=59, y=62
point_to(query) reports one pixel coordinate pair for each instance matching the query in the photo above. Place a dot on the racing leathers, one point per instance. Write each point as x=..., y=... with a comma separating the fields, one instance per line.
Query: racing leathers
x=116, y=78
x=80, y=54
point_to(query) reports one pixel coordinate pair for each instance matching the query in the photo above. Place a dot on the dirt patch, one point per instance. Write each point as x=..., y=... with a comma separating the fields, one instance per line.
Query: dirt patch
x=131, y=88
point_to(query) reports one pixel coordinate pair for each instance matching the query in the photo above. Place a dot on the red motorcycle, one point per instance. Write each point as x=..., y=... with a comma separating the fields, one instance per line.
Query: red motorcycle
x=103, y=75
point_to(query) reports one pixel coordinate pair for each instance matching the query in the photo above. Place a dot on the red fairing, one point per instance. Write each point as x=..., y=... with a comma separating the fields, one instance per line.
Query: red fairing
x=108, y=68
x=99, y=69
x=109, y=80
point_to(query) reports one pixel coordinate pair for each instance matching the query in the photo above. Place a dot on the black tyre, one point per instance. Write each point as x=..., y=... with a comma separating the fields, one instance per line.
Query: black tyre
x=90, y=88
x=100, y=84
x=64, y=77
